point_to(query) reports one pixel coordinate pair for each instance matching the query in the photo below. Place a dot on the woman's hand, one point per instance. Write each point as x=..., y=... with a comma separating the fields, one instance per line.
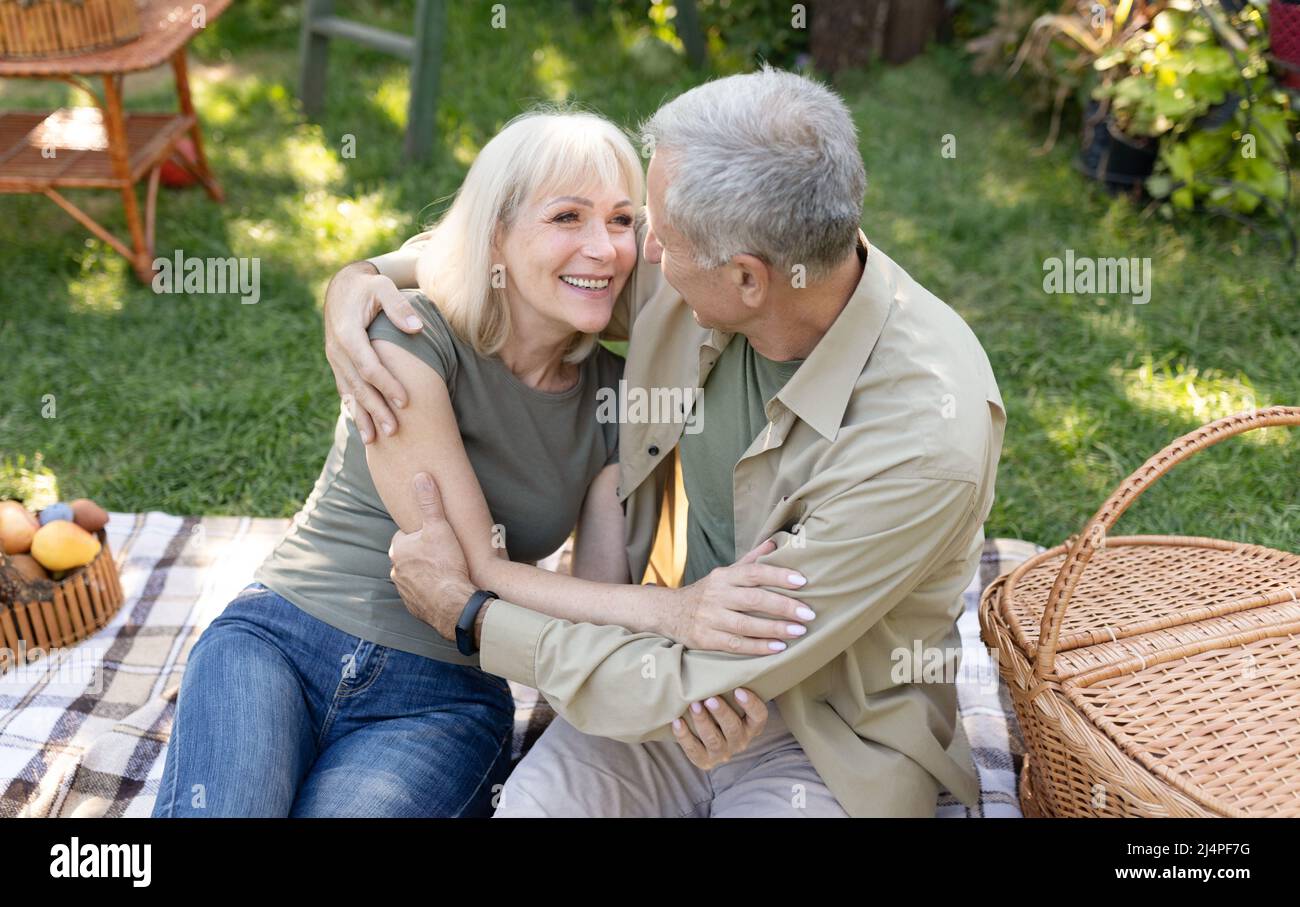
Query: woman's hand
x=711, y=612
x=352, y=300
x=719, y=733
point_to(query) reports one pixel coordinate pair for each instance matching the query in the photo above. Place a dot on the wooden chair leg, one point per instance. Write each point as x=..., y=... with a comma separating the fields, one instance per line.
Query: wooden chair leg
x=180, y=67
x=89, y=223
x=119, y=156
x=151, y=206
x=430, y=27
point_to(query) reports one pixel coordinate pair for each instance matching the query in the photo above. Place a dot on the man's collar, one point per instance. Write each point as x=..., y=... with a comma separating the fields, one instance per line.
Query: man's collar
x=819, y=391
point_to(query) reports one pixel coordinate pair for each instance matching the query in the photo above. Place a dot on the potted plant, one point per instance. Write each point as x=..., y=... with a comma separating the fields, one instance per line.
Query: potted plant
x=1063, y=50
x=1200, y=88
x=1110, y=155
x=1164, y=79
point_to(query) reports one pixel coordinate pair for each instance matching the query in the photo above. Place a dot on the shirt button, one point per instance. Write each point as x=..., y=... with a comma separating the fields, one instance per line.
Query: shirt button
x=653, y=451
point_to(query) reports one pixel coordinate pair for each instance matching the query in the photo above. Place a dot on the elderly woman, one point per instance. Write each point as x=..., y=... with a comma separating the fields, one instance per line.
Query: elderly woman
x=316, y=693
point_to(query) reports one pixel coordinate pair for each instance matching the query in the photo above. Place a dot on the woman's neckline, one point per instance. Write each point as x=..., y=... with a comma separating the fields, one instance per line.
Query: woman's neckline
x=552, y=396
x=549, y=396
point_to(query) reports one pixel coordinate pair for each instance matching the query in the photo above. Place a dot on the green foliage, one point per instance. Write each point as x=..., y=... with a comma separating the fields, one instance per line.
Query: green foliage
x=1166, y=80
x=743, y=32
x=739, y=33
x=34, y=485
x=1172, y=79
x=1165, y=71
x=974, y=18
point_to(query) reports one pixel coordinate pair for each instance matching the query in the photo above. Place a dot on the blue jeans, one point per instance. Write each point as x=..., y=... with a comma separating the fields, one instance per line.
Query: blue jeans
x=281, y=714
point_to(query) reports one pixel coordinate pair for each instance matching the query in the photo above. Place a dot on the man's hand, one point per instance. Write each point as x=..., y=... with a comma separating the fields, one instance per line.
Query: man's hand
x=352, y=300
x=719, y=732
x=429, y=566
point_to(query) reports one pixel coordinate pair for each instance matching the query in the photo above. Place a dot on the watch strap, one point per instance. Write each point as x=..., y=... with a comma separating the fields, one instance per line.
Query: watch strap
x=465, y=626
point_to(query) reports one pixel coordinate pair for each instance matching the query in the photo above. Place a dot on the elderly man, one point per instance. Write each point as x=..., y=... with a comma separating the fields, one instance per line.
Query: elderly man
x=847, y=415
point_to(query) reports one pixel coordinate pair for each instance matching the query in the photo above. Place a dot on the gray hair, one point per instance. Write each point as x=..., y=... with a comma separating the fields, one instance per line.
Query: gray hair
x=765, y=163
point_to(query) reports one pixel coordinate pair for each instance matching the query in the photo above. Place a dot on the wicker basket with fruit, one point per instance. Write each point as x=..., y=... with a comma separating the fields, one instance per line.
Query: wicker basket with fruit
x=58, y=579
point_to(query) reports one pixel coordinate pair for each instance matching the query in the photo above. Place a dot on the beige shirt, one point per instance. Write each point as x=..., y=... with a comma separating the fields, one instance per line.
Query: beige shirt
x=874, y=475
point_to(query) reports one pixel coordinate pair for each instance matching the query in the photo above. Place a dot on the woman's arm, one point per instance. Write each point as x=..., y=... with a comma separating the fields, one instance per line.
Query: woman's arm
x=707, y=614
x=598, y=552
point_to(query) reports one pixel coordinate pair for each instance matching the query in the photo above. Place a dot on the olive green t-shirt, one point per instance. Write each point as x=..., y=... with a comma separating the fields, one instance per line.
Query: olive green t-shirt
x=535, y=453
x=733, y=402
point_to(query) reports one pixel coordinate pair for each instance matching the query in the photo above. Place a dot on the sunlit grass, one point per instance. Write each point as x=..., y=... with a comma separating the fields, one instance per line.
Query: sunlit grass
x=1190, y=393
x=330, y=222
x=392, y=97
x=464, y=148
x=1003, y=192
x=97, y=290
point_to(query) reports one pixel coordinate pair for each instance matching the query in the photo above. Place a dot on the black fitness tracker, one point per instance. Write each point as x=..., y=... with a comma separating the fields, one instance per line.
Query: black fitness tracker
x=465, y=626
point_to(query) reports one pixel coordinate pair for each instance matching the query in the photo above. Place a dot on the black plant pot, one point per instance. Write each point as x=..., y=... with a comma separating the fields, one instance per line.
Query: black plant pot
x=1122, y=162
x=1219, y=115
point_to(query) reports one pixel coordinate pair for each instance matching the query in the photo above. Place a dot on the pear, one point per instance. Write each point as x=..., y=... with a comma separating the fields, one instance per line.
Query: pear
x=61, y=545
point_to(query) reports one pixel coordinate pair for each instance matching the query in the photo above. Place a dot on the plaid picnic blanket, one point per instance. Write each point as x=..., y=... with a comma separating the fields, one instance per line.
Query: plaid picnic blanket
x=84, y=732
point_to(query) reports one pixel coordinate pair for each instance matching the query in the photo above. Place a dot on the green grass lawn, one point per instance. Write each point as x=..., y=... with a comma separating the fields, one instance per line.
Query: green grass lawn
x=198, y=404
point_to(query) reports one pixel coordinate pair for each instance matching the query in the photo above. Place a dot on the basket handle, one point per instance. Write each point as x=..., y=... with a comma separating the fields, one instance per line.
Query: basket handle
x=1094, y=532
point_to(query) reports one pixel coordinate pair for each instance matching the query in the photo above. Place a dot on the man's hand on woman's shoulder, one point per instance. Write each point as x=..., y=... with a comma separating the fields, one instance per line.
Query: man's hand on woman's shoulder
x=355, y=295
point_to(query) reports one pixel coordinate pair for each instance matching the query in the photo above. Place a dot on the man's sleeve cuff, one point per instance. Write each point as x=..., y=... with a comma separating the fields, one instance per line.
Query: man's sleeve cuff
x=508, y=647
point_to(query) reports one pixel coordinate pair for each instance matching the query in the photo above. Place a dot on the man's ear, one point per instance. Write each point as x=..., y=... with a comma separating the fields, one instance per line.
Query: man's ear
x=753, y=279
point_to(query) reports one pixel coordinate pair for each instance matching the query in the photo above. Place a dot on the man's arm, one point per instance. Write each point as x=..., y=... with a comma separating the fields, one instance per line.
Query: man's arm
x=400, y=265
x=436, y=572
x=864, y=552
x=354, y=296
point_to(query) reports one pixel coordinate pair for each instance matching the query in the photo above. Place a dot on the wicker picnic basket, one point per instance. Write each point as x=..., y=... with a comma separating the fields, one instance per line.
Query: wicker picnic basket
x=1155, y=675
x=51, y=28
x=37, y=615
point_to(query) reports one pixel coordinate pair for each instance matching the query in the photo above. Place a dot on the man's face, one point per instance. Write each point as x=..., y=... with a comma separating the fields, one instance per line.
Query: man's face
x=713, y=297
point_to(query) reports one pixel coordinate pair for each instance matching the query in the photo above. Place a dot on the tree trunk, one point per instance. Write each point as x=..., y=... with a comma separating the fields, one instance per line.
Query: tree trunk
x=847, y=34
x=912, y=24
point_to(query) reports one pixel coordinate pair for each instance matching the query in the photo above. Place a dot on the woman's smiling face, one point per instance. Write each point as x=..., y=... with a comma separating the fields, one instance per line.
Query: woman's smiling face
x=567, y=256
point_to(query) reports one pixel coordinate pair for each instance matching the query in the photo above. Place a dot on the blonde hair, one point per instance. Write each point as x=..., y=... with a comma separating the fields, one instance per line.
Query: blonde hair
x=535, y=152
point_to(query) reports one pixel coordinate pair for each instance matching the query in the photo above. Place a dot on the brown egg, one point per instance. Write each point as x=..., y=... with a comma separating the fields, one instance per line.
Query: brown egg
x=17, y=528
x=29, y=567
x=89, y=515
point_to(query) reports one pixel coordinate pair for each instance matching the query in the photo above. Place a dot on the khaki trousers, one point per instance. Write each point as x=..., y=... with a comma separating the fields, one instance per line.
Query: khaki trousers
x=570, y=774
